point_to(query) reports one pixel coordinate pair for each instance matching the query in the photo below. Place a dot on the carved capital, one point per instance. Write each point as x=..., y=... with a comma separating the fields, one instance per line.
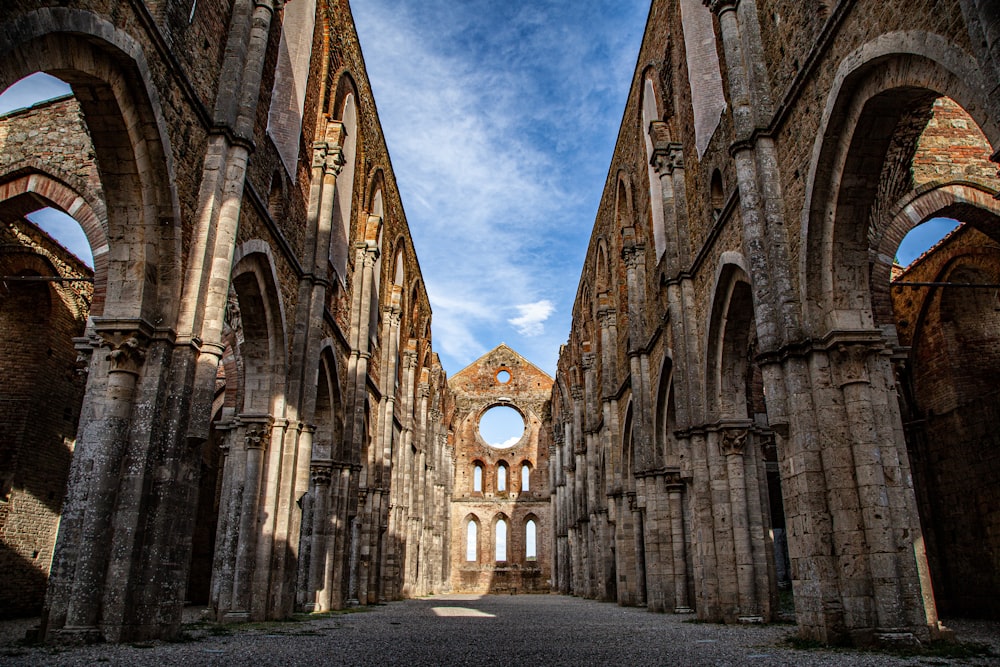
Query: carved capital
x=634, y=255
x=673, y=482
x=257, y=436
x=720, y=6
x=321, y=472
x=128, y=351
x=850, y=363
x=734, y=441
x=667, y=158
x=334, y=161
x=606, y=314
x=587, y=360
x=392, y=314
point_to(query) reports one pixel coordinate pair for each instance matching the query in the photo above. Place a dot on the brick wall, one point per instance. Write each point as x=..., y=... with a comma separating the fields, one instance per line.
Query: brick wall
x=39, y=406
x=950, y=415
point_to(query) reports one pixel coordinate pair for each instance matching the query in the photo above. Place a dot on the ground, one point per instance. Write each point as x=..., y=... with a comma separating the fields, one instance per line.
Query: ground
x=487, y=630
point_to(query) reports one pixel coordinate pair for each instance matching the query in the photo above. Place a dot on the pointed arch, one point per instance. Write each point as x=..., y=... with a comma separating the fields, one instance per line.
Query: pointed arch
x=263, y=348
x=731, y=330
x=346, y=111
x=291, y=74
x=650, y=109
x=894, y=74
x=131, y=147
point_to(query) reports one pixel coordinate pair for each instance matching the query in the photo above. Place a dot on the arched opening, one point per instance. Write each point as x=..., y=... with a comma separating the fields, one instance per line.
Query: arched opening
x=525, y=477
x=477, y=478
x=343, y=203
x=918, y=150
x=47, y=297
x=501, y=477
x=740, y=453
x=650, y=113
x=949, y=329
x=717, y=194
x=500, y=542
x=472, y=540
x=530, y=546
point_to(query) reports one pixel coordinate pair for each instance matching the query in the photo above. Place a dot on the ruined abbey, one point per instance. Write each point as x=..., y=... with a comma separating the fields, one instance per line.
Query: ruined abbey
x=240, y=406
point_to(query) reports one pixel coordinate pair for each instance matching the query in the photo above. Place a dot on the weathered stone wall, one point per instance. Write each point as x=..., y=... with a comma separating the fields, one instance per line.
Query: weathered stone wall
x=474, y=390
x=39, y=405
x=753, y=344
x=948, y=393
x=261, y=429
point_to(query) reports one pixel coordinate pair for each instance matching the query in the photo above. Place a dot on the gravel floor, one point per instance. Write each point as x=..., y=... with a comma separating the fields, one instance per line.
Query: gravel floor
x=490, y=630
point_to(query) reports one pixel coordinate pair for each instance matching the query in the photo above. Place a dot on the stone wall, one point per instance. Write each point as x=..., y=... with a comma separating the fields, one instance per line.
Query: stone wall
x=40, y=405
x=738, y=368
x=501, y=377
x=948, y=392
x=261, y=430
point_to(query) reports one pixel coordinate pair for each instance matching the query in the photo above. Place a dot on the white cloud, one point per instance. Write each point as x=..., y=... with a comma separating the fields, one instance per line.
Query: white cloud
x=500, y=135
x=531, y=321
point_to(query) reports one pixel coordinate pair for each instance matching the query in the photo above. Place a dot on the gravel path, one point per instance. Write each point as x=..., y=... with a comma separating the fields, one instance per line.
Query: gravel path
x=485, y=631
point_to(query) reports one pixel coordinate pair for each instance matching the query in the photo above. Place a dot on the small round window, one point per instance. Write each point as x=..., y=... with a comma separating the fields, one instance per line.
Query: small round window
x=501, y=427
x=503, y=376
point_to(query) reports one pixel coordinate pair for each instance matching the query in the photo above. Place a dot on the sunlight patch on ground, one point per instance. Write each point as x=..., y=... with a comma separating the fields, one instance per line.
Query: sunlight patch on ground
x=463, y=612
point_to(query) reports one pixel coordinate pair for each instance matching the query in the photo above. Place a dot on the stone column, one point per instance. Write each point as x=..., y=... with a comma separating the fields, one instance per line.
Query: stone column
x=733, y=447
x=675, y=491
x=257, y=437
x=104, y=442
x=319, y=580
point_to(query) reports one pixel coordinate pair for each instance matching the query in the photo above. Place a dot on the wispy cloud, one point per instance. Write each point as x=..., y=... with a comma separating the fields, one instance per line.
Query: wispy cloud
x=500, y=119
x=531, y=321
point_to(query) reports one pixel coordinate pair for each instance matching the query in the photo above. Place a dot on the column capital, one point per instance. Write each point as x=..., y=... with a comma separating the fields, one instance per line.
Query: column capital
x=720, y=6
x=257, y=430
x=321, y=471
x=734, y=441
x=634, y=255
x=668, y=158
x=851, y=363
x=128, y=350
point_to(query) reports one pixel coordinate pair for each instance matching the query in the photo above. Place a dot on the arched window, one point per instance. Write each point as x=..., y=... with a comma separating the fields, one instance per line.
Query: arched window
x=530, y=552
x=477, y=479
x=472, y=541
x=525, y=477
x=344, y=199
x=284, y=118
x=718, y=197
x=649, y=114
x=501, y=546
x=501, y=477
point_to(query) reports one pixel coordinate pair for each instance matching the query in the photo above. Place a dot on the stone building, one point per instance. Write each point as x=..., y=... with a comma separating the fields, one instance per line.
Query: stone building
x=44, y=301
x=735, y=370
x=948, y=320
x=500, y=514
x=257, y=361
x=258, y=421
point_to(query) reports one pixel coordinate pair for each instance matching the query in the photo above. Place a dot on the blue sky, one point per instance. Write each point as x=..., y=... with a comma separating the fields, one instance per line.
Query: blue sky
x=500, y=120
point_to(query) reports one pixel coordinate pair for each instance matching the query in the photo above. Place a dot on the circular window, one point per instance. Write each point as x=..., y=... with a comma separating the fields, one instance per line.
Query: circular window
x=503, y=377
x=501, y=427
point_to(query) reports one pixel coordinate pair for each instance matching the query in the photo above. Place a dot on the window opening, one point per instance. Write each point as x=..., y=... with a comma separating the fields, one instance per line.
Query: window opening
x=529, y=540
x=501, y=427
x=501, y=540
x=471, y=541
